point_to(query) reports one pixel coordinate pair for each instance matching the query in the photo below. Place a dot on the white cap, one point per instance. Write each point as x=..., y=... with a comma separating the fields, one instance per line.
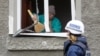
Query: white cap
x=75, y=27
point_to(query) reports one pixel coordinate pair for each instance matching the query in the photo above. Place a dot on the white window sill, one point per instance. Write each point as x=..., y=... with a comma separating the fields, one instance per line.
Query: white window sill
x=46, y=34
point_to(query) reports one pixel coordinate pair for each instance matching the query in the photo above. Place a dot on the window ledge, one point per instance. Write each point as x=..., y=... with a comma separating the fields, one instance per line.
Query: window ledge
x=35, y=43
x=63, y=34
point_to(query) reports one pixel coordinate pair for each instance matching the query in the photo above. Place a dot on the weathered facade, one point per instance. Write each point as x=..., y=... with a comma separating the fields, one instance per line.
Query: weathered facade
x=40, y=46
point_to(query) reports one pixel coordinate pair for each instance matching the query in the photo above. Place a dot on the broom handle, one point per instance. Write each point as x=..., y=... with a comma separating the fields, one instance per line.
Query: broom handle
x=31, y=15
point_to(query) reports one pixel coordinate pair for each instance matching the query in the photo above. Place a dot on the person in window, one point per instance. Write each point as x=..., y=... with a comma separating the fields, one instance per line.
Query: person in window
x=76, y=44
x=54, y=22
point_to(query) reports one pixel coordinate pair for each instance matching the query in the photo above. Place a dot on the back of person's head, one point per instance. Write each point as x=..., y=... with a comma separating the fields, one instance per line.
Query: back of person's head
x=52, y=9
x=76, y=28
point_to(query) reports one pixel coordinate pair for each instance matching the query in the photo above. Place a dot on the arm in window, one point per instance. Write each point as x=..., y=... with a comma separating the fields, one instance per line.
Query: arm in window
x=56, y=25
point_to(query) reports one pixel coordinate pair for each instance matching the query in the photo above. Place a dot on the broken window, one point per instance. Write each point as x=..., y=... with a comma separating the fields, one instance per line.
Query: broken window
x=63, y=13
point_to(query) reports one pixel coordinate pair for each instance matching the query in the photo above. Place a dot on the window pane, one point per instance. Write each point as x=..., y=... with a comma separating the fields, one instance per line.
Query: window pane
x=63, y=11
x=31, y=5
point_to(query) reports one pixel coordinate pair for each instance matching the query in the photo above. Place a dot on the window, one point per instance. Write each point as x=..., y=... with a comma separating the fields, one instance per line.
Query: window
x=19, y=18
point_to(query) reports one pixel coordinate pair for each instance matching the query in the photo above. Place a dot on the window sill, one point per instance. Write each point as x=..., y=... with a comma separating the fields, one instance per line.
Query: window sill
x=45, y=34
x=35, y=43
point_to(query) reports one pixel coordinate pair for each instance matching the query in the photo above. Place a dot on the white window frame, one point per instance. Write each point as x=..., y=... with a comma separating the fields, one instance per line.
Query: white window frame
x=14, y=16
x=15, y=26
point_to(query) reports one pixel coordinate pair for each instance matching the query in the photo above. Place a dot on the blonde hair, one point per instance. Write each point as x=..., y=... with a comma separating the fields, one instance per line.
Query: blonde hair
x=73, y=38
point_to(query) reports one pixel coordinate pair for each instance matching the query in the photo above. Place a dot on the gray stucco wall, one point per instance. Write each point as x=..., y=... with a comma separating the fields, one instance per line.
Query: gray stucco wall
x=90, y=16
x=3, y=26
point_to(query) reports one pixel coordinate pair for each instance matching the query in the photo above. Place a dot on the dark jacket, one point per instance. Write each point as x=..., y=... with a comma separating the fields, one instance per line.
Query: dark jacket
x=73, y=50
